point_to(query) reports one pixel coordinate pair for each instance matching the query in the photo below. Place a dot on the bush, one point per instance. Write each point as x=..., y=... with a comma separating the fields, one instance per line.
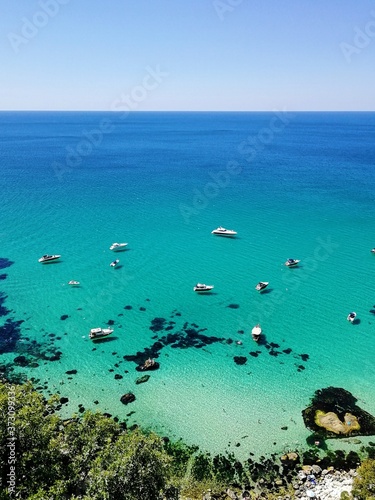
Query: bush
x=364, y=483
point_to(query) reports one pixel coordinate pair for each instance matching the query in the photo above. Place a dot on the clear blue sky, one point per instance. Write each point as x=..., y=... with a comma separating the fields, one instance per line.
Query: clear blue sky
x=208, y=54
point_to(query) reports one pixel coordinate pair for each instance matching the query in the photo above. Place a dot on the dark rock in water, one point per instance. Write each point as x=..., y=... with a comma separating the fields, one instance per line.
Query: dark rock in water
x=33, y=364
x=81, y=409
x=143, y=379
x=254, y=354
x=127, y=398
x=157, y=324
x=233, y=306
x=304, y=357
x=285, y=428
x=128, y=308
x=142, y=308
x=333, y=413
x=54, y=357
x=118, y=377
x=287, y=351
x=21, y=361
x=96, y=402
x=5, y=263
x=64, y=317
x=64, y=400
x=110, y=322
x=71, y=372
x=3, y=277
x=108, y=415
x=240, y=331
x=240, y=360
x=272, y=344
x=3, y=310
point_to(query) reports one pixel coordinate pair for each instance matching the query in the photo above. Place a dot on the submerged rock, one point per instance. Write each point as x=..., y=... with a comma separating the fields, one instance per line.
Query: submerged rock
x=127, y=398
x=142, y=380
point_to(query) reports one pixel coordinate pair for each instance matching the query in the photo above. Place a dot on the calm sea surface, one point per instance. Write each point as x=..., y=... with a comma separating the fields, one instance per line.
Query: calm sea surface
x=296, y=185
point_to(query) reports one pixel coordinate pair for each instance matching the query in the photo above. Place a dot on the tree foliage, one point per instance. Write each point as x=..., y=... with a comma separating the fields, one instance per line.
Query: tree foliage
x=364, y=483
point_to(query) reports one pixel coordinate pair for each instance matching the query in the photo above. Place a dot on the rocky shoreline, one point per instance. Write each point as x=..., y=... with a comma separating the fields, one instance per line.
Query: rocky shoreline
x=310, y=482
x=326, y=484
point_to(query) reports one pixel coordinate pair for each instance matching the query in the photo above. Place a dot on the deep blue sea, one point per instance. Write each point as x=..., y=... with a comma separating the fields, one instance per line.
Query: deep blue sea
x=293, y=185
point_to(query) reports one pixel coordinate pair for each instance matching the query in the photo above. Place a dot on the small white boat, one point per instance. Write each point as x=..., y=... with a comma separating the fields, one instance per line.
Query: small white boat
x=201, y=287
x=256, y=332
x=114, y=263
x=118, y=246
x=221, y=231
x=48, y=258
x=73, y=283
x=100, y=333
x=261, y=285
x=292, y=262
x=373, y=250
x=351, y=317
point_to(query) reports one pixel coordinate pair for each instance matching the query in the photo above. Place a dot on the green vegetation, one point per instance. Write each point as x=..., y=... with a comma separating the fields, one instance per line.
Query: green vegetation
x=364, y=483
x=92, y=457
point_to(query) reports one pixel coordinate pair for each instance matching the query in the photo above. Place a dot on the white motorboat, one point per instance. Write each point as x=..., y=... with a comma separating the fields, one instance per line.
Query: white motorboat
x=49, y=258
x=100, y=333
x=351, y=317
x=261, y=285
x=373, y=250
x=114, y=263
x=73, y=283
x=292, y=262
x=221, y=231
x=201, y=287
x=256, y=332
x=118, y=246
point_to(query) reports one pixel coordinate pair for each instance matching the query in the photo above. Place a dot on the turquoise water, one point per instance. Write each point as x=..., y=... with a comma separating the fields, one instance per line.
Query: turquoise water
x=292, y=185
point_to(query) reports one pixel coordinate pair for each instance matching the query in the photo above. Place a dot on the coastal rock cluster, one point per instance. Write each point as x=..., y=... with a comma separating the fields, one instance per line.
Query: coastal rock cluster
x=333, y=413
x=326, y=484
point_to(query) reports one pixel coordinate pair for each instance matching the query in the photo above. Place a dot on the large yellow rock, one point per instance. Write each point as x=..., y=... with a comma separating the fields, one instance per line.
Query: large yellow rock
x=331, y=422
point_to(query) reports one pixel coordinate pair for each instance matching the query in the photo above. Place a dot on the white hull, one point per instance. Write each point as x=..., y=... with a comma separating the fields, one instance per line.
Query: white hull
x=201, y=288
x=256, y=332
x=48, y=258
x=100, y=333
x=292, y=263
x=118, y=246
x=221, y=231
